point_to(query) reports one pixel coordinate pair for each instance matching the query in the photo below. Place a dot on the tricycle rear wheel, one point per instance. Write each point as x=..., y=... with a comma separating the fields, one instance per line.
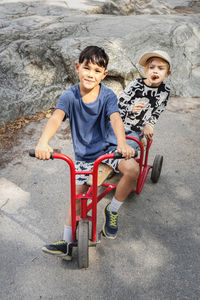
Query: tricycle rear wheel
x=83, y=238
x=156, y=169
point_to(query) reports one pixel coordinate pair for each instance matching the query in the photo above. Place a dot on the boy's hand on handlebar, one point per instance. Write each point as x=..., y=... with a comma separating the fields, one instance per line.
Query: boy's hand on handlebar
x=42, y=151
x=147, y=131
x=126, y=151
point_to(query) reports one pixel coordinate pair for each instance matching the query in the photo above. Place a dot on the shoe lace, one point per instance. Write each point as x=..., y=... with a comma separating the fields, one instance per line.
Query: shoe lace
x=59, y=242
x=113, y=219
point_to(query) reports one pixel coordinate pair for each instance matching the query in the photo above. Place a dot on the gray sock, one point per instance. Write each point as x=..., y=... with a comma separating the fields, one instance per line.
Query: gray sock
x=115, y=205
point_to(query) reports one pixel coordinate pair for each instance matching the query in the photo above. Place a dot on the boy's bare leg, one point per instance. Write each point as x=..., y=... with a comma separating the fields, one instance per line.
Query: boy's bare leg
x=79, y=190
x=130, y=170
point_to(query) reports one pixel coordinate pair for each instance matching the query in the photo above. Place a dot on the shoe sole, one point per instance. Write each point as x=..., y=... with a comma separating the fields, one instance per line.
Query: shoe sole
x=67, y=258
x=57, y=254
x=108, y=236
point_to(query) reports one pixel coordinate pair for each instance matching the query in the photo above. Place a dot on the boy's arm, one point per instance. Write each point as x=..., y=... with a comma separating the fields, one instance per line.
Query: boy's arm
x=42, y=150
x=118, y=127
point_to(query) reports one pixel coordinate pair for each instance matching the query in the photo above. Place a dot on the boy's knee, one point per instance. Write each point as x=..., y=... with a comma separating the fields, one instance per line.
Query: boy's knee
x=131, y=169
x=135, y=171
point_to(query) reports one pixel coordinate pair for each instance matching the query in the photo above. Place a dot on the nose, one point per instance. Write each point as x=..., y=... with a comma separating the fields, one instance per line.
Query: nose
x=90, y=73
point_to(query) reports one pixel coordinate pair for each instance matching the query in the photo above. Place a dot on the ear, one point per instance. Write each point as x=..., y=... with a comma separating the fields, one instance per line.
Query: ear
x=168, y=73
x=105, y=74
x=77, y=67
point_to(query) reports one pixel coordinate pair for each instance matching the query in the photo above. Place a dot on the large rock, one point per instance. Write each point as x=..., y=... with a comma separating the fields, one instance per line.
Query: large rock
x=40, y=41
x=127, y=7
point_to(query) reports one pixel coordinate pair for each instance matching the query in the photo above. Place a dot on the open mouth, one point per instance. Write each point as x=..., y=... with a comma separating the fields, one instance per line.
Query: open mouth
x=154, y=77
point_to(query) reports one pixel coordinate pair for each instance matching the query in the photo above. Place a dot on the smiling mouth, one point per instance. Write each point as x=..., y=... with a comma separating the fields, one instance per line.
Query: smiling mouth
x=89, y=81
x=154, y=77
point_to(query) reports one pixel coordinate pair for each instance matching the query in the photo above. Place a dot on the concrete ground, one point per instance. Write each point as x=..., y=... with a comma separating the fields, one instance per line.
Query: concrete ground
x=156, y=254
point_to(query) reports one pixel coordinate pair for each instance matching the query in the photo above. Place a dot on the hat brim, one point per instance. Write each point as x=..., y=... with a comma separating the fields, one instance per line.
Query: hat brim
x=146, y=56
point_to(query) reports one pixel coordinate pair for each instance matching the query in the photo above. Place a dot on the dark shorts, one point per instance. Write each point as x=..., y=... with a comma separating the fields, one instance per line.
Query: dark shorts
x=88, y=166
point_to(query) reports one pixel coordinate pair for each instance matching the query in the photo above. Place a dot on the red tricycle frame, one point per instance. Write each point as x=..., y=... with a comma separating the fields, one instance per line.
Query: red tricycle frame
x=92, y=192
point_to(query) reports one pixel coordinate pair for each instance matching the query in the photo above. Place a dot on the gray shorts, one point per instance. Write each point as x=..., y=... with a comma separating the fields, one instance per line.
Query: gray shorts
x=88, y=166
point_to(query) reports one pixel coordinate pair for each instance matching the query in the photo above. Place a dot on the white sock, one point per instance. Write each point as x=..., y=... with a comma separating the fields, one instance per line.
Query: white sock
x=115, y=205
x=67, y=235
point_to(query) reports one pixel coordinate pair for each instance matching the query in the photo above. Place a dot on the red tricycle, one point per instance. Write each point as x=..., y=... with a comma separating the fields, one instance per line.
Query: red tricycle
x=80, y=224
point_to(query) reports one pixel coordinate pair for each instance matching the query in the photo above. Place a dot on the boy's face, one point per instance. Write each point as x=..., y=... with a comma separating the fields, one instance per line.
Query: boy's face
x=156, y=71
x=90, y=75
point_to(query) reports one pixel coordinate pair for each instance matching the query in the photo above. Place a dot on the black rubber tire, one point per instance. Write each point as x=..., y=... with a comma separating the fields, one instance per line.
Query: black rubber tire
x=156, y=169
x=83, y=247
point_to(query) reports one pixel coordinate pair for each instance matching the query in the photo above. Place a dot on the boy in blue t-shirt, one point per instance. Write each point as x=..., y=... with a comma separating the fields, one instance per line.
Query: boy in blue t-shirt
x=96, y=128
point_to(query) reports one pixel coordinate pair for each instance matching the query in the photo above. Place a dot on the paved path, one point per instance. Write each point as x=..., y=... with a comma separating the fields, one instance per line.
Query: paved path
x=156, y=254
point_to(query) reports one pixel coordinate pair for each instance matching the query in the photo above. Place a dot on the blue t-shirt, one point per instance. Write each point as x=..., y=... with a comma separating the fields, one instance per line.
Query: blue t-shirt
x=91, y=130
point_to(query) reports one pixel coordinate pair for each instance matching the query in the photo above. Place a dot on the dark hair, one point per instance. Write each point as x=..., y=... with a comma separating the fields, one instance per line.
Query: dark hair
x=94, y=54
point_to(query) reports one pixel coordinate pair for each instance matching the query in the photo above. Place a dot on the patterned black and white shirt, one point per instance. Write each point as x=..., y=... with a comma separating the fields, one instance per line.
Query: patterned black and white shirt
x=155, y=99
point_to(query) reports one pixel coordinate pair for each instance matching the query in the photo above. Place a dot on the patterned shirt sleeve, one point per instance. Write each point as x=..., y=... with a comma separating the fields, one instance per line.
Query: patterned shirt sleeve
x=159, y=109
x=124, y=99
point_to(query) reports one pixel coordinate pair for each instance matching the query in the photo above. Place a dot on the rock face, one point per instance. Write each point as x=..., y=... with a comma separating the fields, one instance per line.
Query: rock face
x=40, y=41
x=130, y=7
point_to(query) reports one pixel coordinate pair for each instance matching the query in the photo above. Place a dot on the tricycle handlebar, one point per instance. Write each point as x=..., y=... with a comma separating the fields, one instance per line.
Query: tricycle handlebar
x=32, y=153
x=117, y=155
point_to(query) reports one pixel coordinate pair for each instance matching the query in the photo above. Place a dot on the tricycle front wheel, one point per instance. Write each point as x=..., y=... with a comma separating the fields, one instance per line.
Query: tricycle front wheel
x=83, y=238
x=156, y=169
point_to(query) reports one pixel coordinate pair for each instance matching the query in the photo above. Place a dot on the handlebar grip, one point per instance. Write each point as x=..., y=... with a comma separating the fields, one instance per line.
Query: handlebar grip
x=118, y=155
x=32, y=153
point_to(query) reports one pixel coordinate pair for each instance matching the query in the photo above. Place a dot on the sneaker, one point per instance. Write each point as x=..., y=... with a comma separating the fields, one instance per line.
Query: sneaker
x=110, y=227
x=61, y=249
